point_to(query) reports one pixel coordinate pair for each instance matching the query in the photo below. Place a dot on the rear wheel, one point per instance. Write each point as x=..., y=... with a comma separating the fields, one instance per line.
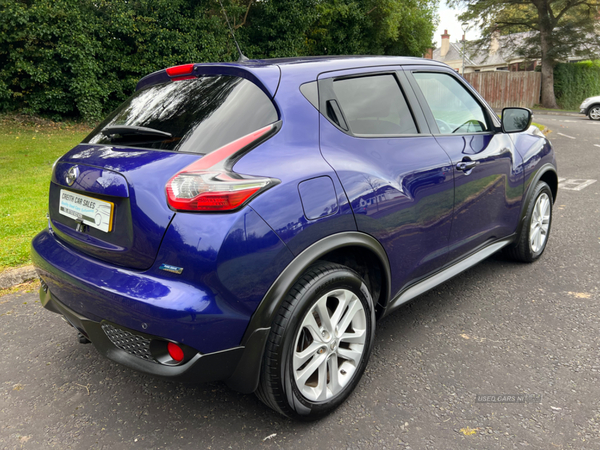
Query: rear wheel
x=594, y=112
x=319, y=343
x=534, y=234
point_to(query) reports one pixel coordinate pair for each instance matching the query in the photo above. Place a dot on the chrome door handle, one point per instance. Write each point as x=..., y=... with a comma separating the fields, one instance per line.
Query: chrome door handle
x=466, y=165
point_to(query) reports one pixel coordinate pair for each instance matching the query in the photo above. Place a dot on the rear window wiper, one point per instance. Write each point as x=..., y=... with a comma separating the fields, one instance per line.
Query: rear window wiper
x=130, y=130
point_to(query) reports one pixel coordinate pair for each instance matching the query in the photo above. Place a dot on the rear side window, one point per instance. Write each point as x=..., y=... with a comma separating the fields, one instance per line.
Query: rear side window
x=374, y=105
x=201, y=115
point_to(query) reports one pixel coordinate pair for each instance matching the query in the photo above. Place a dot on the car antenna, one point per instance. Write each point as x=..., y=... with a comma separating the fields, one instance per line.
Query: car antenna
x=242, y=57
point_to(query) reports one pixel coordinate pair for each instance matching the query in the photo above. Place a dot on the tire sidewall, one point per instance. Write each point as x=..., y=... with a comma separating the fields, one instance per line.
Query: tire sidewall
x=339, y=279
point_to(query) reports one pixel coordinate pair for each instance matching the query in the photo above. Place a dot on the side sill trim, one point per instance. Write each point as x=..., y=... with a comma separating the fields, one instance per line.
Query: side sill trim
x=434, y=280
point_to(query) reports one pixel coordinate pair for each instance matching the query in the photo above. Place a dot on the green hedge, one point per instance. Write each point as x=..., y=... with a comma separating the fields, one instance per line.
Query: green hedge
x=81, y=58
x=574, y=82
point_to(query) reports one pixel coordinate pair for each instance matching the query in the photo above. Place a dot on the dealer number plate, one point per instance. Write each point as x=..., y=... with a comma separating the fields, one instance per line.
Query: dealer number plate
x=90, y=211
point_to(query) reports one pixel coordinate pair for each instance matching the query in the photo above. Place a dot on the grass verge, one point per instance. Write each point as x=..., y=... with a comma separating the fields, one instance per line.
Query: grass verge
x=29, y=148
x=541, y=108
x=541, y=127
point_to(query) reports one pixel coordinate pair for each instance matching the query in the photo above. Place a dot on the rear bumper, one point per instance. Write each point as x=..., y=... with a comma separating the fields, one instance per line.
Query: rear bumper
x=200, y=368
x=154, y=301
x=90, y=293
x=234, y=366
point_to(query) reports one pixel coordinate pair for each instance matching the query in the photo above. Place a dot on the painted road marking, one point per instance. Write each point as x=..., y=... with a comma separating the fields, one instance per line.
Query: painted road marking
x=574, y=184
x=570, y=137
x=596, y=145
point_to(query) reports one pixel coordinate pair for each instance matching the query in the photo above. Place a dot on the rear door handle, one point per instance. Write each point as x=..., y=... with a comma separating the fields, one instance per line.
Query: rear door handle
x=466, y=165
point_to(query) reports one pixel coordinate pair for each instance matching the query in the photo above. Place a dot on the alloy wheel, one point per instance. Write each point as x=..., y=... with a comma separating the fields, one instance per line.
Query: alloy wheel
x=329, y=345
x=540, y=223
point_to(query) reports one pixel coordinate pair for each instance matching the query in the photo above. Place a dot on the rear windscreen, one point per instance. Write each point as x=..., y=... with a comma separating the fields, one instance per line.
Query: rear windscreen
x=200, y=114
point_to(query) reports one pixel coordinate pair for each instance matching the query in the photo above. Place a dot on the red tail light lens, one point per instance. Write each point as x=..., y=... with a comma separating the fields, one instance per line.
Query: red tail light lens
x=211, y=191
x=207, y=185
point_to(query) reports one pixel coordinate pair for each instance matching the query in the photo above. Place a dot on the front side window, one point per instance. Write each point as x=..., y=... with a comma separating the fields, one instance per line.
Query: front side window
x=196, y=116
x=374, y=105
x=453, y=107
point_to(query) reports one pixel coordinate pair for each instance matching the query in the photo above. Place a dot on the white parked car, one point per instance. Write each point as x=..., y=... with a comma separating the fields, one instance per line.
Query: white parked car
x=591, y=107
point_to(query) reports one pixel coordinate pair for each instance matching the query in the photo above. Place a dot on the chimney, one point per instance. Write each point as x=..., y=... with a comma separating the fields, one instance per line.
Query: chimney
x=428, y=54
x=445, y=43
x=495, y=44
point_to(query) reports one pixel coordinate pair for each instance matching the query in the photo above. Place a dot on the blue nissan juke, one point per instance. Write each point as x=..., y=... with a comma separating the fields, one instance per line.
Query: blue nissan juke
x=249, y=222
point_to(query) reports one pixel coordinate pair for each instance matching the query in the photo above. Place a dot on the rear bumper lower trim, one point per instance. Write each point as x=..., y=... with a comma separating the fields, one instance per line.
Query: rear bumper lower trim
x=201, y=368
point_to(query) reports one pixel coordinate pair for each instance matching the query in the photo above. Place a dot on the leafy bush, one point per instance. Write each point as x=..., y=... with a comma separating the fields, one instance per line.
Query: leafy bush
x=575, y=82
x=81, y=58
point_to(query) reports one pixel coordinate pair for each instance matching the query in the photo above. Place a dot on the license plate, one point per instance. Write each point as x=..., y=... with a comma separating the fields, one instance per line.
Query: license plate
x=90, y=211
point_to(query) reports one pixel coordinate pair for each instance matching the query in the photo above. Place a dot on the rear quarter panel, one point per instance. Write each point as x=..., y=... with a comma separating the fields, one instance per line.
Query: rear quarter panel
x=293, y=156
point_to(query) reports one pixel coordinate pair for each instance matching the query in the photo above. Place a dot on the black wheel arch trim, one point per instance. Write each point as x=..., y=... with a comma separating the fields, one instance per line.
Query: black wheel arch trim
x=527, y=195
x=246, y=376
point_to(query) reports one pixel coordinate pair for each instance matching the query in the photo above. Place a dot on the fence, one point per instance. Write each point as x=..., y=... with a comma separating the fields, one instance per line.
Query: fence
x=501, y=89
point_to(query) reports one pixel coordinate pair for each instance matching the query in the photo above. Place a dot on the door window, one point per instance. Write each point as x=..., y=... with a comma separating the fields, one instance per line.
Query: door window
x=453, y=107
x=374, y=105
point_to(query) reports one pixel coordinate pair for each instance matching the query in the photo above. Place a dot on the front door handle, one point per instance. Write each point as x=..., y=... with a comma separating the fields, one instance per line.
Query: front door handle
x=466, y=165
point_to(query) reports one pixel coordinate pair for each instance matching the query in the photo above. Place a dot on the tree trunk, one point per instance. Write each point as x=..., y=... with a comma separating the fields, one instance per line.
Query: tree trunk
x=546, y=28
x=548, y=98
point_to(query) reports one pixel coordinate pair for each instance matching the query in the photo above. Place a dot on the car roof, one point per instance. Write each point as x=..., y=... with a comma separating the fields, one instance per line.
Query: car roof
x=359, y=60
x=268, y=72
x=312, y=66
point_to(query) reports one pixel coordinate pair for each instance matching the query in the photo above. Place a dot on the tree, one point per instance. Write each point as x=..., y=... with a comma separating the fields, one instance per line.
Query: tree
x=555, y=30
x=275, y=28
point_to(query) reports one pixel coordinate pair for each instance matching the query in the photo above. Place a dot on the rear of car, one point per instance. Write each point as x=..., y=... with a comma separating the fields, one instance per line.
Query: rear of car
x=149, y=223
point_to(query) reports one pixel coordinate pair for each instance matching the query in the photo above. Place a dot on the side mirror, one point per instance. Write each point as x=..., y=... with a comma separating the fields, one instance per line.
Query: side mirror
x=515, y=120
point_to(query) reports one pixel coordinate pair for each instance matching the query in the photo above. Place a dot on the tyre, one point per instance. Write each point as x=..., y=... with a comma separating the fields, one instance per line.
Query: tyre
x=535, y=231
x=594, y=112
x=319, y=343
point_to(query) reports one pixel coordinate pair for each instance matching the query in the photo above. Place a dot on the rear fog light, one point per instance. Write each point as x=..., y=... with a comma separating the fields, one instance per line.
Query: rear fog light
x=175, y=352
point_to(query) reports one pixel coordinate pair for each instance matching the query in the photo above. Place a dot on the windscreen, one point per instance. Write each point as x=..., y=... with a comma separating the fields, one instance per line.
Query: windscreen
x=201, y=115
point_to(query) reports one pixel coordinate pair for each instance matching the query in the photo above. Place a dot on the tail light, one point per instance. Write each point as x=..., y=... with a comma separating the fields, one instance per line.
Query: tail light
x=183, y=72
x=209, y=184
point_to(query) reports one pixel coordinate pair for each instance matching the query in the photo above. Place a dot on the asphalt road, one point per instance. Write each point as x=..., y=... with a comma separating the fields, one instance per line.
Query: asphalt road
x=498, y=329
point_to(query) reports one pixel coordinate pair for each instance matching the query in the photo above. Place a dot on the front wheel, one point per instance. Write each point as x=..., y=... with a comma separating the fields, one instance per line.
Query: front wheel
x=319, y=343
x=535, y=231
x=594, y=113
